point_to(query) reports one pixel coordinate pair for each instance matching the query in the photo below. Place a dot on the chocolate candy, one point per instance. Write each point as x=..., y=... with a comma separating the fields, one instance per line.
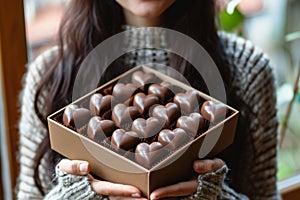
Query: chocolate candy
x=162, y=90
x=121, y=139
x=142, y=79
x=173, y=139
x=147, y=128
x=123, y=92
x=100, y=129
x=168, y=113
x=192, y=124
x=212, y=111
x=148, y=154
x=123, y=115
x=188, y=102
x=100, y=104
x=76, y=117
x=144, y=103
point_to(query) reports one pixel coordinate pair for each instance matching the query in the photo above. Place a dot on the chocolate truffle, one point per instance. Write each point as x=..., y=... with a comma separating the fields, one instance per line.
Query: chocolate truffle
x=76, y=117
x=123, y=92
x=123, y=115
x=162, y=90
x=188, y=102
x=173, y=139
x=142, y=80
x=192, y=124
x=148, y=154
x=144, y=103
x=168, y=113
x=212, y=111
x=100, y=129
x=100, y=104
x=125, y=140
x=147, y=128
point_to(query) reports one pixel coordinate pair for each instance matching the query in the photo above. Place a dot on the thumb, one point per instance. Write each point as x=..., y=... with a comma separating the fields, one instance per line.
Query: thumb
x=76, y=167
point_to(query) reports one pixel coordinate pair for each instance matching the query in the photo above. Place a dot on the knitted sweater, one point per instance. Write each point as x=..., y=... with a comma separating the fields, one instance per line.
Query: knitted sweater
x=251, y=160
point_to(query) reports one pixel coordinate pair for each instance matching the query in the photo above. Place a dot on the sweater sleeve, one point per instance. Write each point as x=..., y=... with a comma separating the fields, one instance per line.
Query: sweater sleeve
x=211, y=186
x=72, y=187
x=31, y=134
x=257, y=164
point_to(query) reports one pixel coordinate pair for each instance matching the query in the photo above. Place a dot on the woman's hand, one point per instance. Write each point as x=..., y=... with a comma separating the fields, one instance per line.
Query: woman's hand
x=188, y=187
x=114, y=191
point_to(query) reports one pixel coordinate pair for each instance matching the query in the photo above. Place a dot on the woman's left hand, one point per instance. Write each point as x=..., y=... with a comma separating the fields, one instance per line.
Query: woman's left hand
x=188, y=187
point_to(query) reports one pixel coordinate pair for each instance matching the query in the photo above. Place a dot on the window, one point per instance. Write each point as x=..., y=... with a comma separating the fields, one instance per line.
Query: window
x=280, y=17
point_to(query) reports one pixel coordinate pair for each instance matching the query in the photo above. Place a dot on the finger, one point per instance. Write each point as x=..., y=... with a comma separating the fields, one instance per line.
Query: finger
x=206, y=166
x=76, y=167
x=125, y=198
x=113, y=189
x=176, y=190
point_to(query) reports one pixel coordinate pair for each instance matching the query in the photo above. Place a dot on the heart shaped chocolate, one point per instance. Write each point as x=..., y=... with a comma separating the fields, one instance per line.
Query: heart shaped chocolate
x=148, y=154
x=123, y=92
x=212, y=111
x=123, y=115
x=100, y=129
x=147, y=128
x=192, y=124
x=144, y=103
x=173, y=139
x=76, y=117
x=168, y=113
x=162, y=90
x=100, y=104
x=188, y=102
x=121, y=139
x=142, y=79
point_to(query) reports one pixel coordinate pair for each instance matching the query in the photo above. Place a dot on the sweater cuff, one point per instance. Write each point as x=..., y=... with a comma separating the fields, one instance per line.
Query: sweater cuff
x=210, y=184
x=72, y=187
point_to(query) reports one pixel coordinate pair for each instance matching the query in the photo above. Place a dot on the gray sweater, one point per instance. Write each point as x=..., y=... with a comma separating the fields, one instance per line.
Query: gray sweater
x=252, y=167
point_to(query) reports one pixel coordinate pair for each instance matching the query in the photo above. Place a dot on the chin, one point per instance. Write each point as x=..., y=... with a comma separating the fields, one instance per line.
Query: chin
x=147, y=8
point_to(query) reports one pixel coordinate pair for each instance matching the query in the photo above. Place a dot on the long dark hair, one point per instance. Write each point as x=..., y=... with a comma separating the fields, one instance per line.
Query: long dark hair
x=89, y=22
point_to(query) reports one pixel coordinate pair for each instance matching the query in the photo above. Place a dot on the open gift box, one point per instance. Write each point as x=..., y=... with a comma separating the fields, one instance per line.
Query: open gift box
x=113, y=166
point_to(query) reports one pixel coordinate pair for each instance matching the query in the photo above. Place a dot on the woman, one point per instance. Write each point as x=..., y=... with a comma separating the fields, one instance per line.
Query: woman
x=246, y=73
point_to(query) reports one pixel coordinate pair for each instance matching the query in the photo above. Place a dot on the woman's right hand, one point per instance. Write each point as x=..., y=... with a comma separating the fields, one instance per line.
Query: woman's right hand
x=112, y=190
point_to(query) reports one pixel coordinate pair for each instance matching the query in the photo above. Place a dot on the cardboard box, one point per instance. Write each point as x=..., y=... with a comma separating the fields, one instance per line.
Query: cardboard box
x=115, y=168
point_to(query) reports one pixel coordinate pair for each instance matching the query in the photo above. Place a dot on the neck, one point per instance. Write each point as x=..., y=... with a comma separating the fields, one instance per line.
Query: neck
x=138, y=21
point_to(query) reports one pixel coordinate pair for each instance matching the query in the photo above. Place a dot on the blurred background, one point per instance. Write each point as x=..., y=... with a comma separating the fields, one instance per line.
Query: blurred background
x=272, y=25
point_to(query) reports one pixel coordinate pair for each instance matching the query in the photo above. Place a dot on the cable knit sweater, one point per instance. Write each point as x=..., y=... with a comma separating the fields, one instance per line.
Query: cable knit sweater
x=252, y=176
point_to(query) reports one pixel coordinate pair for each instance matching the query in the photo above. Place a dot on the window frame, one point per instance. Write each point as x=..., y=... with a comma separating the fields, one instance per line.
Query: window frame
x=13, y=58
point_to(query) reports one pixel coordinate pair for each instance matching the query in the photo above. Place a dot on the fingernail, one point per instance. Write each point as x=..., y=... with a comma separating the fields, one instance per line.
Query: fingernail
x=136, y=195
x=200, y=166
x=83, y=167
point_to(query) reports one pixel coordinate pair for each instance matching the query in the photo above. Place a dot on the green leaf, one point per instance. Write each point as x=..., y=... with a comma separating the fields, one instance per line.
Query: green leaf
x=231, y=22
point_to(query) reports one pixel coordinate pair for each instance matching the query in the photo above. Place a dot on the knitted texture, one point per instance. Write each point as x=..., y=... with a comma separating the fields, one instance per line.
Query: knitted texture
x=71, y=187
x=253, y=176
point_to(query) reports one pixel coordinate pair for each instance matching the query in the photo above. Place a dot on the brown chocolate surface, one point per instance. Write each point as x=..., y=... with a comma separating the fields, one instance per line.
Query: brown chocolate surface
x=123, y=115
x=167, y=114
x=192, y=124
x=100, y=104
x=148, y=154
x=126, y=140
x=145, y=125
x=173, y=139
x=211, y=111
x=144, y=102
x=100, y=129
x=75, y=116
